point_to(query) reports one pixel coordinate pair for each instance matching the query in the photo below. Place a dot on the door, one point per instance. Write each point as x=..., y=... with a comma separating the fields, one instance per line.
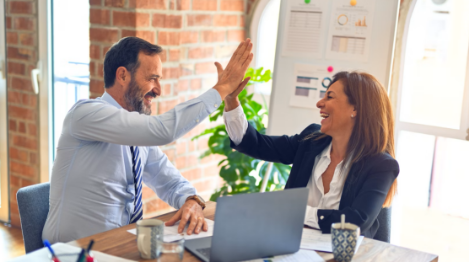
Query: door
x=4, y=192
x=432, y=120
x=64, y=69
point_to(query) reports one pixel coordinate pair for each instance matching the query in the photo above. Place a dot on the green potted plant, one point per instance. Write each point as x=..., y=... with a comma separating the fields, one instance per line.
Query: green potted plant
x=241, y=173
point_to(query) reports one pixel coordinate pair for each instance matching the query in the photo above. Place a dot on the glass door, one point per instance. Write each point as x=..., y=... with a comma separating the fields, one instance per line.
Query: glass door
x=64, y=65
x=70, y=59
x=4, y=192
x=432, y=121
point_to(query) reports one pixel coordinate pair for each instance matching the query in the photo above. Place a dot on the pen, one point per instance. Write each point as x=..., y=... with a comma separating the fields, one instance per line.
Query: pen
x=54, y=257
x=80, y=256
x=90, y=245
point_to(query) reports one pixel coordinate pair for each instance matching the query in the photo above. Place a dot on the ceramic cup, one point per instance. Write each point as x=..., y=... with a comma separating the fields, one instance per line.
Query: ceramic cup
x=344, y=241
x=149, y=231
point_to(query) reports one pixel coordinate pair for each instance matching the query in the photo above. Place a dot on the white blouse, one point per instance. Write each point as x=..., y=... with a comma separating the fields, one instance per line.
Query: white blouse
x=236, y=126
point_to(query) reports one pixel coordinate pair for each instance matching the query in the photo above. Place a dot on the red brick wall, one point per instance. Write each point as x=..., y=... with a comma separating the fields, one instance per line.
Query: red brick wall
x=193, y=34
x=21, y=37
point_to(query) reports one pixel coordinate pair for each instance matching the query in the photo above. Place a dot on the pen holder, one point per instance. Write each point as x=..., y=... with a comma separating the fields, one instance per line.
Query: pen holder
x=344, y=241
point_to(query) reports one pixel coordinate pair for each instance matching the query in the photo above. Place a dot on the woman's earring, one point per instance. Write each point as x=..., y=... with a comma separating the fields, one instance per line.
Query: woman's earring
x=353, y=116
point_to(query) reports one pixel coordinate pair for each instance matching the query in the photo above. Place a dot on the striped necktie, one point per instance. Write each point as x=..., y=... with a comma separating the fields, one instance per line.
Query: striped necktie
x=137, y=169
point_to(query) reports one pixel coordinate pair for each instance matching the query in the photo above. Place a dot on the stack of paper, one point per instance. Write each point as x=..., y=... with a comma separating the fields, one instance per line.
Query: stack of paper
x=171, y=232
x=301, y=255
x=316, y=240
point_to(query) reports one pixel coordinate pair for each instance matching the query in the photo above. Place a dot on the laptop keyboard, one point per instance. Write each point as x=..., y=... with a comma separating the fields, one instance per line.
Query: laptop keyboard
x=205, y=252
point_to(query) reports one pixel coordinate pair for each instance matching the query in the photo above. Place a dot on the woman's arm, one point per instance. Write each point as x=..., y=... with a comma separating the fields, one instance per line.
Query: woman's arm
x=246, y=139
x=369, y=200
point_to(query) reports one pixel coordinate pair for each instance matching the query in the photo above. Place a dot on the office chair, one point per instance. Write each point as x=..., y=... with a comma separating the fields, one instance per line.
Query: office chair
x=33, y=204
x=384, y=230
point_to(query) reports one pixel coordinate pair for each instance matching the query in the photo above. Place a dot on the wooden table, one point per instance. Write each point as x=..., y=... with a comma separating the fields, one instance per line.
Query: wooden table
x=119, y=242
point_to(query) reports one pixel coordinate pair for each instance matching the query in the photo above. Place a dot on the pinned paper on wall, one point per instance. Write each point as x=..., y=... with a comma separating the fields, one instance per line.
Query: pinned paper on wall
x=304, y=28
x=310, y=84
x=350, y=30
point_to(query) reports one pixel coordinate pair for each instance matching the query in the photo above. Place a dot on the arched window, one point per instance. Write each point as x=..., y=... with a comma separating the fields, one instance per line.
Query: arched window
x=432, y=115
x=263, y=32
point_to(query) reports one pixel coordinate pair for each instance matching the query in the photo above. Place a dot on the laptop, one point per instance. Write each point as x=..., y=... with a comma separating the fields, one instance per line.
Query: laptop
x=254, y=226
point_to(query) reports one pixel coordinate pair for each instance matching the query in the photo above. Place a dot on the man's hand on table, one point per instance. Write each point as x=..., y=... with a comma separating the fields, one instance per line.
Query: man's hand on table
x=190, y=213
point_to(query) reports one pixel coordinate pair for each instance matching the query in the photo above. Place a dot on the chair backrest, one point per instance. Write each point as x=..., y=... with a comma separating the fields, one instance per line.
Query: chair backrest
x=33, y=204
x=384, y=230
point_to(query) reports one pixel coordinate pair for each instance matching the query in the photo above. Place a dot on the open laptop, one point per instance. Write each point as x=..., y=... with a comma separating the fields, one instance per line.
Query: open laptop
x=253, y=226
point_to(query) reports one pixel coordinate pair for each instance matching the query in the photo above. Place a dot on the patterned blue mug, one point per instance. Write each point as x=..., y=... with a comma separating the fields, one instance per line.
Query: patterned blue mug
x=344, y=241
x=148, y=232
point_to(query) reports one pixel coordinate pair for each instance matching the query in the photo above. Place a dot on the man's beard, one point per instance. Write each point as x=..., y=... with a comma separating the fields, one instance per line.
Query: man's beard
x=134, y=99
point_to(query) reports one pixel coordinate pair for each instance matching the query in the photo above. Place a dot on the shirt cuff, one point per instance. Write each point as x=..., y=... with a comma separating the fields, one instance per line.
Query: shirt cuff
x=311, y=217
x=236, y=124
x=211, y=99
x=183, y=199
x=233, y=114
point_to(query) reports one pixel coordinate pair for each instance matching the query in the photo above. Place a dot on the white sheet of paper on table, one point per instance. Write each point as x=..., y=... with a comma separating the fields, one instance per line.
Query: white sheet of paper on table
x=315, y=240
x=171, y=232
x=301, y=255
x=42, y=255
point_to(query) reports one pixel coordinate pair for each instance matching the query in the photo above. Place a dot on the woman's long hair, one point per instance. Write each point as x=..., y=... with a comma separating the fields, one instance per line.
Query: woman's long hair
x=373, y=132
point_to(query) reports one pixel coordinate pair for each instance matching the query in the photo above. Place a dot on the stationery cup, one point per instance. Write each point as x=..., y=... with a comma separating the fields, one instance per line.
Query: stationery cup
x=149, y=231
x=344, y=241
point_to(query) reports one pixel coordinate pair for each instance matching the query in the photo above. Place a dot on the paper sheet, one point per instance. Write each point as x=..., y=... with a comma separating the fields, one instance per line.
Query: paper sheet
x=350, y=30
x=42, y=255
x=315, y=240
x=301, y=255
x=171, y=233
x=310, y=84
x=304, y=28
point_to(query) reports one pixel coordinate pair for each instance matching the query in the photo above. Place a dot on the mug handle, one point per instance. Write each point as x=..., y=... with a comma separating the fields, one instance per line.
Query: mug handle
x=140, y=245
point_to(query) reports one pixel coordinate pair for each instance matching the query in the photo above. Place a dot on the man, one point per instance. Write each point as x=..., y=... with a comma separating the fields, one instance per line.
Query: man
x=108, y=146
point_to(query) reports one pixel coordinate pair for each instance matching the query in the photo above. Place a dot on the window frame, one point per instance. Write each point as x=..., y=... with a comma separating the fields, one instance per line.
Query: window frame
x=45, y=105
x=4, y=163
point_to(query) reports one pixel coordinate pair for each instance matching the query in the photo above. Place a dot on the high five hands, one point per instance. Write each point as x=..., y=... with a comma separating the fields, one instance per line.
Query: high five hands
x=230, y=84
x=230, y=80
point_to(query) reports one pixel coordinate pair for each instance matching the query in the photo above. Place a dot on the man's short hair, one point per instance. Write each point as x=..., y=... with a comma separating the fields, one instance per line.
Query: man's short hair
x=125, y=53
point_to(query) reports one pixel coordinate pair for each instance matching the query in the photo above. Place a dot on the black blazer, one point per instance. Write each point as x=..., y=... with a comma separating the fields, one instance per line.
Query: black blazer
x=365, y=188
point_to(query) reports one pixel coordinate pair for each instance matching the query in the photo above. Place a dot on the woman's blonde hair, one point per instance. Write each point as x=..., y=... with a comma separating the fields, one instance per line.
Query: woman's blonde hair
x=373, y=132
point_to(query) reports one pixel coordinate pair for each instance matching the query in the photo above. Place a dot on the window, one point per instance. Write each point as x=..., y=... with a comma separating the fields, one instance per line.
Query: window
x=64, y=64
x=431, y=125
x=263, y=30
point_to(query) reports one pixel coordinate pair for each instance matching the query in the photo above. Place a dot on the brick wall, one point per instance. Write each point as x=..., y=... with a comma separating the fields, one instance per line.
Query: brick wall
x=193, y=34
x=21, y=38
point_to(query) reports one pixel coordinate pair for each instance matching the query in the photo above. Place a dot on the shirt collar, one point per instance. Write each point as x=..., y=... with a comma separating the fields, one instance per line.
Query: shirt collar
x=326, y=153
x=108, y=98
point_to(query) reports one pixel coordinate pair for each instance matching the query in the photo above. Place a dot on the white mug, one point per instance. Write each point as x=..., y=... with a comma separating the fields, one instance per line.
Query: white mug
x=148, y=232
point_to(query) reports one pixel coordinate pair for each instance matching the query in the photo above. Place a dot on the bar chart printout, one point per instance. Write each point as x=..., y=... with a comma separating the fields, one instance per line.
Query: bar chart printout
x=309, y=85
x=350, y=30
x=304, y=28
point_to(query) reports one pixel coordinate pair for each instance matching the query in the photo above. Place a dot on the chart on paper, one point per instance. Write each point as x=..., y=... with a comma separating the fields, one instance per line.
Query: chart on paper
x=350, y=29
x=304, y=31
x=351, y=45
x=310, y=85
x=304, y=28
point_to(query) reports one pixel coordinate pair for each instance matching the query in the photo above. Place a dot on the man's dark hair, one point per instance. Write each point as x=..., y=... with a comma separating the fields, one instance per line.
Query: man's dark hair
x=125, y=53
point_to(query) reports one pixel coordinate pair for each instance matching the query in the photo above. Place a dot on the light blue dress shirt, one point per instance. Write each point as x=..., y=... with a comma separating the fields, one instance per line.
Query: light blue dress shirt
x=92, y=184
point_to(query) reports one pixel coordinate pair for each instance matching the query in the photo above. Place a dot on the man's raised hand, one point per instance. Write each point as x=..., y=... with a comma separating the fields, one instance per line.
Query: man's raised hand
x=230, y=78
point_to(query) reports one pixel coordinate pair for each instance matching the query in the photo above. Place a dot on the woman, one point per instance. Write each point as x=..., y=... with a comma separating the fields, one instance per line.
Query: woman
x=347, y=162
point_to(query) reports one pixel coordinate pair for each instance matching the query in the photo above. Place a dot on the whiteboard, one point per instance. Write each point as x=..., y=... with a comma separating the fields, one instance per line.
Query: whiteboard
x=288, y=120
